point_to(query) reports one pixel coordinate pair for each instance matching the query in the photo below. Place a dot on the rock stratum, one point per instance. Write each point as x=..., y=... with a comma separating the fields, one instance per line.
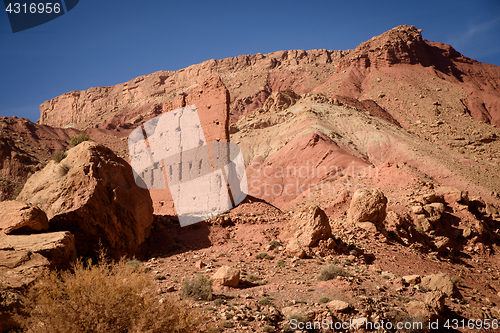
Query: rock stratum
x=378, y=70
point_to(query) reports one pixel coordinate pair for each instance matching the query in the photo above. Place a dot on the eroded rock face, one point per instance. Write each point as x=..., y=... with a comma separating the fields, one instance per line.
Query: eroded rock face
x=309, y=226
x=19, y=218
x=367, y=205
x=23, y=259
x=92, y=193
x=280, y=100
x=57, y=247
x=20, y=268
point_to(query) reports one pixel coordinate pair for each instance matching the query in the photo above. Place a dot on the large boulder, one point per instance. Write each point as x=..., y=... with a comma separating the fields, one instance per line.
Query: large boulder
x=20, y=268
x=309, y=226
x=23, y=259
x=367, y=205
x=19, y=218
x=227, y=276
x=441, y=282
x=57, y=247
x=92, y=193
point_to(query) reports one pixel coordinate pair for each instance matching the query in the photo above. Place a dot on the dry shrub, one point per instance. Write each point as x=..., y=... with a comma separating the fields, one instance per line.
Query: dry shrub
x=107, y=297
x=59, y=156
x=199, y=287
x=330, y=272
x=75, y=140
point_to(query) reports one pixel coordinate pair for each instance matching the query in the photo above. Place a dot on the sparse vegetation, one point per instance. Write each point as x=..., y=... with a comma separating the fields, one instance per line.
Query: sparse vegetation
x=300, y=318
x=280, y=263
x=218, y=302
x=59, y=155
x=227, y=324
x=252, y=277
x=274, y=244
x=268, y=329
x=64, y=169
x=455, y=280
x=75, y=140
x=330, y=272
x=101, y=298
x=134, y=263
x=261, y=282
x=266, y=301
x=264, y=255
x=199, y=287
x=420, y=230
x=323, y=300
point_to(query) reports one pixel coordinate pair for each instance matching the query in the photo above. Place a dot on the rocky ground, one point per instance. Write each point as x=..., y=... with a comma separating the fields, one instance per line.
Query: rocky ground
x=392, y=271
x=373, y=179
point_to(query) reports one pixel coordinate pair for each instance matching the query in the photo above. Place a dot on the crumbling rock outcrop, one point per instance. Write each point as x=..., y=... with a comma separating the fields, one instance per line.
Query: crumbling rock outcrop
x=307, y=228
x=19, y=218
x=92, y=193
x=57, y=247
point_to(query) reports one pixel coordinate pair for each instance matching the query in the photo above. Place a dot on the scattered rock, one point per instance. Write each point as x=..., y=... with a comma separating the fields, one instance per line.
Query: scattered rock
x=435, y=300
x=19, y=268
x=442, y=243
x=417, y=209
x=227, y=276
x=441, y=282
x=412, y=279
x=435, y=210
x=368, y=226
x=298, y=310
x=367, y=205
x=337, y=306
x=452, y=195
x=294, y=248
x=199, y=264
x=57, y=247
x=309, y=226
x=420, y=310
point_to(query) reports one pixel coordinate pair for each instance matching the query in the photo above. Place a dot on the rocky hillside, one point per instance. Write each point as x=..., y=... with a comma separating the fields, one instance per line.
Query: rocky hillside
x=373, y=177
x=25, y=148
x=398, y=70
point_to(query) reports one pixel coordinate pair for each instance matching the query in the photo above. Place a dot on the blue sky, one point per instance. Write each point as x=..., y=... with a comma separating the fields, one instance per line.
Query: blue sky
x=101, y=43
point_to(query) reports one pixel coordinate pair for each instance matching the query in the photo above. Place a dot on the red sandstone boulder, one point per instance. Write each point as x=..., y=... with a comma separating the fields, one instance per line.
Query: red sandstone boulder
x=92, y=193
x=367, y=205
x=19, y=218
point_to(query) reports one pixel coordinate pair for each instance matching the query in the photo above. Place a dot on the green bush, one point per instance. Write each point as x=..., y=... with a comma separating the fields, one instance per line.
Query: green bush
x=106, y=297
x=300, y=318
x=199, y=288
x=227, y=324
x=218, y=302
x=275, y=244
x=75, y=140
x=324, y=300
x=59, y=156
x=330, y=272
x=266, y=301
x=264, y=255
